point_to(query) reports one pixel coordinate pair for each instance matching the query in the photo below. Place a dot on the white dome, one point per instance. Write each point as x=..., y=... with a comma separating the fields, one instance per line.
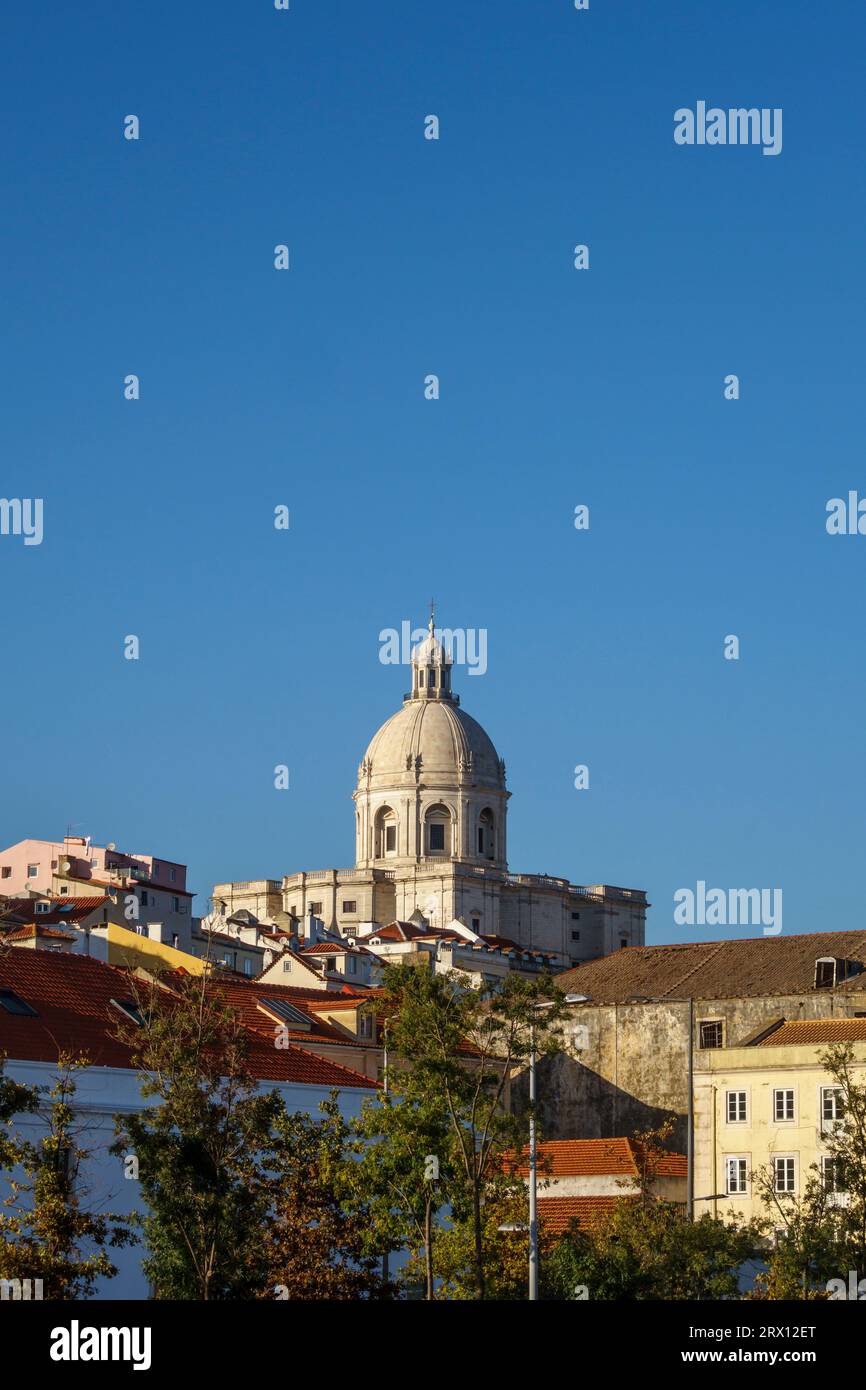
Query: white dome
x=451, y=745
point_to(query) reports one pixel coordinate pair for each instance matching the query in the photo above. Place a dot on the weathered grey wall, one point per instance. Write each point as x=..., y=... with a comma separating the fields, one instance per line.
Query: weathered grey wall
x=626, y=1066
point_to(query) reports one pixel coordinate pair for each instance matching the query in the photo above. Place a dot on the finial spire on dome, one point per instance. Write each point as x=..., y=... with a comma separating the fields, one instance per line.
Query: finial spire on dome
x=431, y=626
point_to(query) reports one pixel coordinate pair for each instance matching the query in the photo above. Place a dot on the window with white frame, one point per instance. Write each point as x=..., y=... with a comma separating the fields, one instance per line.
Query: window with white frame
x=736, y=1174
x=831, y=1173
x=783, y=1105
x=832, y=1104
x=736, y=1107
x=785, y=1173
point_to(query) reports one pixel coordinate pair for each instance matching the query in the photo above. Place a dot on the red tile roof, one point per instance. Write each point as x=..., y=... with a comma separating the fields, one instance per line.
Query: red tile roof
x=816, y=1030
x=324, y=948
x=557, y=1213
x=72, y=997
x=35, y=930
x=567, y=1158
x=399, y=931
x=246, y=996
x=63, y=910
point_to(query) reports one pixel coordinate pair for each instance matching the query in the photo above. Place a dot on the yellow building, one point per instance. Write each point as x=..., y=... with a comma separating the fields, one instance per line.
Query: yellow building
x=769, y=1104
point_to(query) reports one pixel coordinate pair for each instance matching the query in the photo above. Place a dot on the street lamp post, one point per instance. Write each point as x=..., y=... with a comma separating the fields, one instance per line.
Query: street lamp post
x=533, y=1174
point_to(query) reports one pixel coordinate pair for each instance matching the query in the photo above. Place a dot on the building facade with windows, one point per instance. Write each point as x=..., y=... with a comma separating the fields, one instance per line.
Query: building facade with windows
x=149, y=894
x=431, y=810
x=766, y=1109
x=626, y=1069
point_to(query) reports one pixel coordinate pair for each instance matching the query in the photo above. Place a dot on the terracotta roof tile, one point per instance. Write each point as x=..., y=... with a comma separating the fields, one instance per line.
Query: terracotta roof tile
x=816, y=1030
x=568, y=1158
x=72, y=997
x=557, y=1213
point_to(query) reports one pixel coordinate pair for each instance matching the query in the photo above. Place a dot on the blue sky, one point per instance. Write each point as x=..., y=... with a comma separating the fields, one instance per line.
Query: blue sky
x=558, y=387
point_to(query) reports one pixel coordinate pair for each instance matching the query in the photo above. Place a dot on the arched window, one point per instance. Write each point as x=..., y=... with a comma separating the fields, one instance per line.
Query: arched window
x=486, y=838
x=385, y=833
x=437, y=830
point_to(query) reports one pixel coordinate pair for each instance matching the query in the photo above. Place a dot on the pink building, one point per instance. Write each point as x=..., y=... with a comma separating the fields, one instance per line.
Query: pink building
x=151, y=893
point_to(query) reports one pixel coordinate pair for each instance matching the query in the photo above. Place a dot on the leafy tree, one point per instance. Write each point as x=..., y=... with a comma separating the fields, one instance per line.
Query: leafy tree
x=200, y=1146
x=314, y=1244
x=398, y=1132
x=644, y=1248
x=651, y=1251
x=46, y=1231
x=456, y=1051
x=15, y=1100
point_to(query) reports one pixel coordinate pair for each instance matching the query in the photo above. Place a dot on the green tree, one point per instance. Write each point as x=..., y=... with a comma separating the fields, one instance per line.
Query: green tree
x=651, y=1251
x=200, y=1146
x=399, y=1131
x=456, y=1051
x=46, y=1230
x=644, y=1248
x=315, y=1241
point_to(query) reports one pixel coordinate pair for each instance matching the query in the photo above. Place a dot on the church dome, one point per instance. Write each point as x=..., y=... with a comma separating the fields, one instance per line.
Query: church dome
x=452, y=747
x=431, y=787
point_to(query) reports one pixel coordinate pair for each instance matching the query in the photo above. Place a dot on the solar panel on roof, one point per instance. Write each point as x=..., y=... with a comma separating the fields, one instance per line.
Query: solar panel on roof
x=14, y=1004
x=286, y=1011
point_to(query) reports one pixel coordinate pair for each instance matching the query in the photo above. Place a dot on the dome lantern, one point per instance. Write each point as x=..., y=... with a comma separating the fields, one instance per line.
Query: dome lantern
x=431, y=668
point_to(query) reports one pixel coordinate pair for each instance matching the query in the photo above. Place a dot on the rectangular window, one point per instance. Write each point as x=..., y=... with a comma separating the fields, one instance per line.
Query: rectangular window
x=711, y=1034
x=736, y=1107
x=825, y=974
x=390, y=839
x=736, y=1174
x=172, y=873
x=316, y=909
x=352, y=965
x=365, y=1025
x=783, y=1170
x=287, y=965
x=783, y=1106
x=575, y=936
x=350, y=906
x=144, y=897
x=6, y=871
x=831, y=1174
x=32, y=870
x=175, y=902
x=575, y=916
x=248, y=966
x=437, y=837
x=832, y=1105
